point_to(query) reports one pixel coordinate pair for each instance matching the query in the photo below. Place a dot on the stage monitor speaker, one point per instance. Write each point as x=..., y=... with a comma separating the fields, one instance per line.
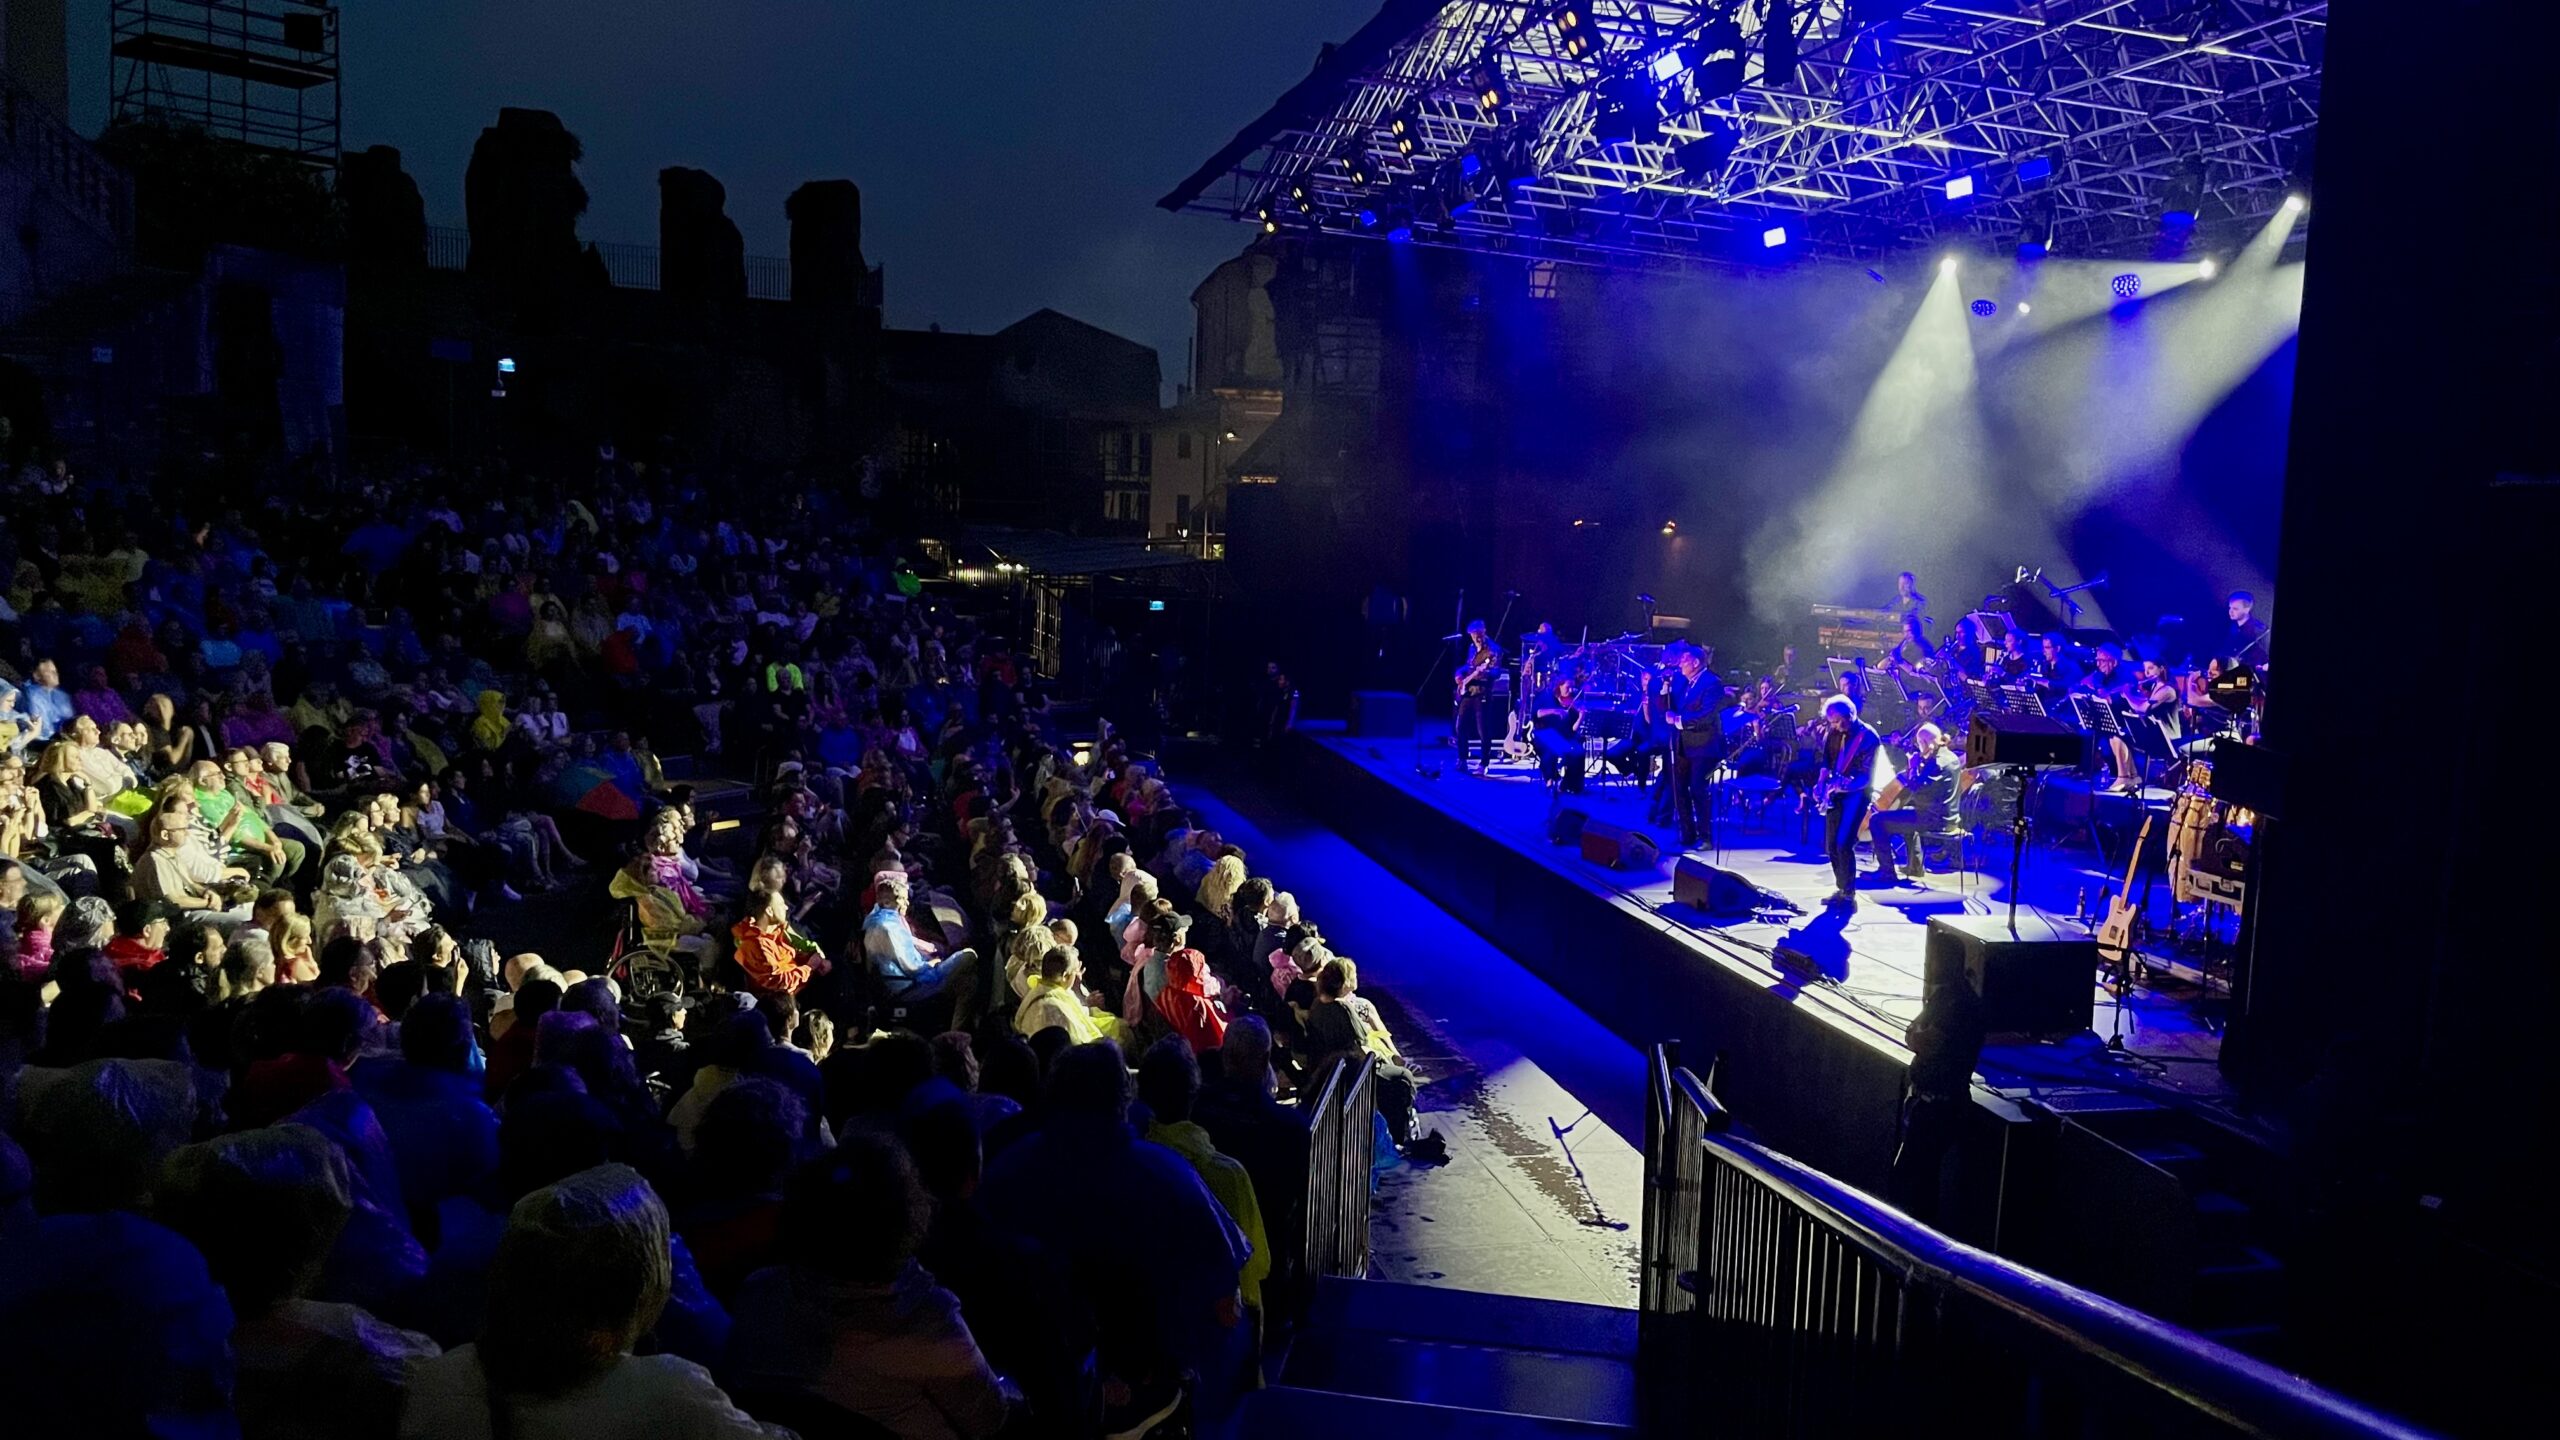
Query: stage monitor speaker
x=2023, y=740
x=1712, y=889
x=1565, y=826
x=1382, y=714
x=2040, y=983
x=1617, y=847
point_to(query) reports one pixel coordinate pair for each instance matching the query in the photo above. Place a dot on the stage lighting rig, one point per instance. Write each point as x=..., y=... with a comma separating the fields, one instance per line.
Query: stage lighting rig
x=1357, y=169
x=2182, y=191
x=1491, y=90
x=1715, y=60
x=1704, y=158
x=1405, y=128
x=1575, y=32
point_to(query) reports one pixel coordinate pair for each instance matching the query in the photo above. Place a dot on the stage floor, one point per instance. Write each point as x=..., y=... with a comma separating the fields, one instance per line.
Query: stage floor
x=1870, y=957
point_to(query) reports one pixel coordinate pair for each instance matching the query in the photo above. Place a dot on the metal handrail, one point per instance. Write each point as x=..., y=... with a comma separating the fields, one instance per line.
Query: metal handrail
x=2236, y=1388
x=1934, y=1293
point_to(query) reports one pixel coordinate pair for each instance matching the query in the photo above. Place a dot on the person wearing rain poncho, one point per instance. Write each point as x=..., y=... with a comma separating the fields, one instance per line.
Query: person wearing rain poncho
x=673, y=914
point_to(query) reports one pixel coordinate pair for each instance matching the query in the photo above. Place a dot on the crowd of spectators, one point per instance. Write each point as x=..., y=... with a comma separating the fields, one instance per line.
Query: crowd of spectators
x=956, y=1099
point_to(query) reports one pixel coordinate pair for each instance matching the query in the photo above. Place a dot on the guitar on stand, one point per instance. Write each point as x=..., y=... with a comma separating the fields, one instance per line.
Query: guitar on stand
x=2115, y=932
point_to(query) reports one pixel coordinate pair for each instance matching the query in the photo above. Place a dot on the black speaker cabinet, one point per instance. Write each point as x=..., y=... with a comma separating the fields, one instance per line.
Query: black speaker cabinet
x=1617, y=847
x=1998, y=739
x=1382, y=714
x=2040, y=983
x=1712, y=889
x=1565, y=826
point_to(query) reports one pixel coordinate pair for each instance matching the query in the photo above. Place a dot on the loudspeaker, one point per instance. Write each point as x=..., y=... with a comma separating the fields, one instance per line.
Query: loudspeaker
x=1617, y=847
x=2041, y=983
x=1712, y=889
x=1565, y=826
x=1382, y=714
x=1998, y=739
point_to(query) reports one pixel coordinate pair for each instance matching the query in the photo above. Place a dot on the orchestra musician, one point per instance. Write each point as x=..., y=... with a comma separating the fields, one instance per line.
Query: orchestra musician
x=1556, y=734
x=1474, y=683
x=1849, y=749
x=1692, y=695
x=2055, y=665
x=2247, y=637
x=2150, y=693
x=2107, y=677
x=1927, y=787
x=1907, y=599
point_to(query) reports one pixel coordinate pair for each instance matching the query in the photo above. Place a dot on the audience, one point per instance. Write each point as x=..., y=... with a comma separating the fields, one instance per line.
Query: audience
x=287, y=1150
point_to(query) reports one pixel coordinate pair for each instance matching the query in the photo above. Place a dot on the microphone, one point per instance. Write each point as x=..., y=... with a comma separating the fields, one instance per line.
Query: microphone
x=1643, y=599
x=1461, y=635
x=1510, y=594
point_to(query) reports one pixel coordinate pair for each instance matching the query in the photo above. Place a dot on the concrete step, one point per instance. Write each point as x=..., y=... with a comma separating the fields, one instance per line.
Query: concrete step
x=2222, y=1220
x=1468, y=1317
x=1594, y=1389
x=2175, y=1156
x=1286, y=1412
x=2240, y=1288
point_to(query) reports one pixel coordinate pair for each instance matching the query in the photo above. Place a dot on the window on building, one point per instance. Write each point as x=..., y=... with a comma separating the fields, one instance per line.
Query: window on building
x=1182, y=445
x=1146, y=453
x=1542, y=279
x=1181, y=512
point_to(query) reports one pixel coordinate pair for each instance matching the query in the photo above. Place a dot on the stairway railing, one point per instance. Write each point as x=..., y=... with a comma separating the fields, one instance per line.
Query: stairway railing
x=1339, y=1124
x=1778, y=1301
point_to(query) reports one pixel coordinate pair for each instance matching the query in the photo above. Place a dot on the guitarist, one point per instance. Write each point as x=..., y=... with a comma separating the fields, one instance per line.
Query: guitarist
x=1849, y=749
x=1474, y=683
x=1928, y=797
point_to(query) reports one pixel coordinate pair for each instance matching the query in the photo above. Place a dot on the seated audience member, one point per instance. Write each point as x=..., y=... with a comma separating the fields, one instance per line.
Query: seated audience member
x=772, y=951
x=1270, y=1139
x=1166, y=1291
x=1169, y=1084
x=850, y=1318
x=265, y=1207
x=427, y=1097
x=743, y=1150
x=1184, y=1002
x=1341, y=1028
x=581, y=1275
x=905, y=973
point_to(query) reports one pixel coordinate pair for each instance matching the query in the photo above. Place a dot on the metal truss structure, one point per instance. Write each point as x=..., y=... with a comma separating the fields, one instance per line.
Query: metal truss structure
x=262, y=72
x=1614, y=130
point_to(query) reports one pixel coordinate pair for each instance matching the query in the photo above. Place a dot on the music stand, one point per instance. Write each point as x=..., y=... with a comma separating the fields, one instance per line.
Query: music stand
x=1984, y=696
x=2024, y=700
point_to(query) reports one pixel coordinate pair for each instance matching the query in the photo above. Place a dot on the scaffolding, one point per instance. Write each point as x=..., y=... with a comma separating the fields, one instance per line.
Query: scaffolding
x=262, y=72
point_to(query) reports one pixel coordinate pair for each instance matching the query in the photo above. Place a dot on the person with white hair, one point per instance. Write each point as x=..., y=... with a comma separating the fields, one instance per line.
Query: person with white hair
x=1928, y=803
x=909, y=976
x=583, y=1271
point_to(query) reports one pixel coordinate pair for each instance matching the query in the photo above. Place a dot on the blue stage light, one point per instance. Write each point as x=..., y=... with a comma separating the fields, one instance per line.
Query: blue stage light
x=1960, y=188
x=2035, y=167
x=1470, y=164
x=2128, y=286
x=2031, y=249
x=1773, y=237
x=1985, y=309
x=1668, y=65
x=2178, y=219
x=1368, y=219
x=1400, y=235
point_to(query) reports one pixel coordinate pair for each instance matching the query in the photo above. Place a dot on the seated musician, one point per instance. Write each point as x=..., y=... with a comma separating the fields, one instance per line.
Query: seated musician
x=1558, y=735
x=2011, y=663
x=2054, y=663
x=2107, y=677
x=1927, y=805
x=2151, y=693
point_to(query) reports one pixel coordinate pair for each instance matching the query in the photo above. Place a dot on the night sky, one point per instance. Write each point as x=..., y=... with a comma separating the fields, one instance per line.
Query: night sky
x=1009, y=152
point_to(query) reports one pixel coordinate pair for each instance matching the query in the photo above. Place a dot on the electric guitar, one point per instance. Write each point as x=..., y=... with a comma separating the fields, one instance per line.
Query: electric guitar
x=2115, y=933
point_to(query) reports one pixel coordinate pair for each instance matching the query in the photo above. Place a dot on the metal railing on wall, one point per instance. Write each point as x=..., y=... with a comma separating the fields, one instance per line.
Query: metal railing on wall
x=1339, y=1151
x=1778, y=1301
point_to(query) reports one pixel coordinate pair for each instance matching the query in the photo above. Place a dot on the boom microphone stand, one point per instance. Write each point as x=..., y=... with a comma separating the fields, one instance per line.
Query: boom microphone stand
x=1438, y=657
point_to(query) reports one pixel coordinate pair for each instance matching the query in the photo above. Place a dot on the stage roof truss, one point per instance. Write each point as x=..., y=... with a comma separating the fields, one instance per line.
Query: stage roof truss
x=2129, y=101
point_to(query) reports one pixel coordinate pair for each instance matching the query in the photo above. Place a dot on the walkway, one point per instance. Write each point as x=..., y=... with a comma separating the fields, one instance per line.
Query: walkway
x=1506, y=1063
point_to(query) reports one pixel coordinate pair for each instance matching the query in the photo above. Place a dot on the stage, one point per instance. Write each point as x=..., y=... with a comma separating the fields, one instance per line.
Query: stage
x=1816, y=1067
